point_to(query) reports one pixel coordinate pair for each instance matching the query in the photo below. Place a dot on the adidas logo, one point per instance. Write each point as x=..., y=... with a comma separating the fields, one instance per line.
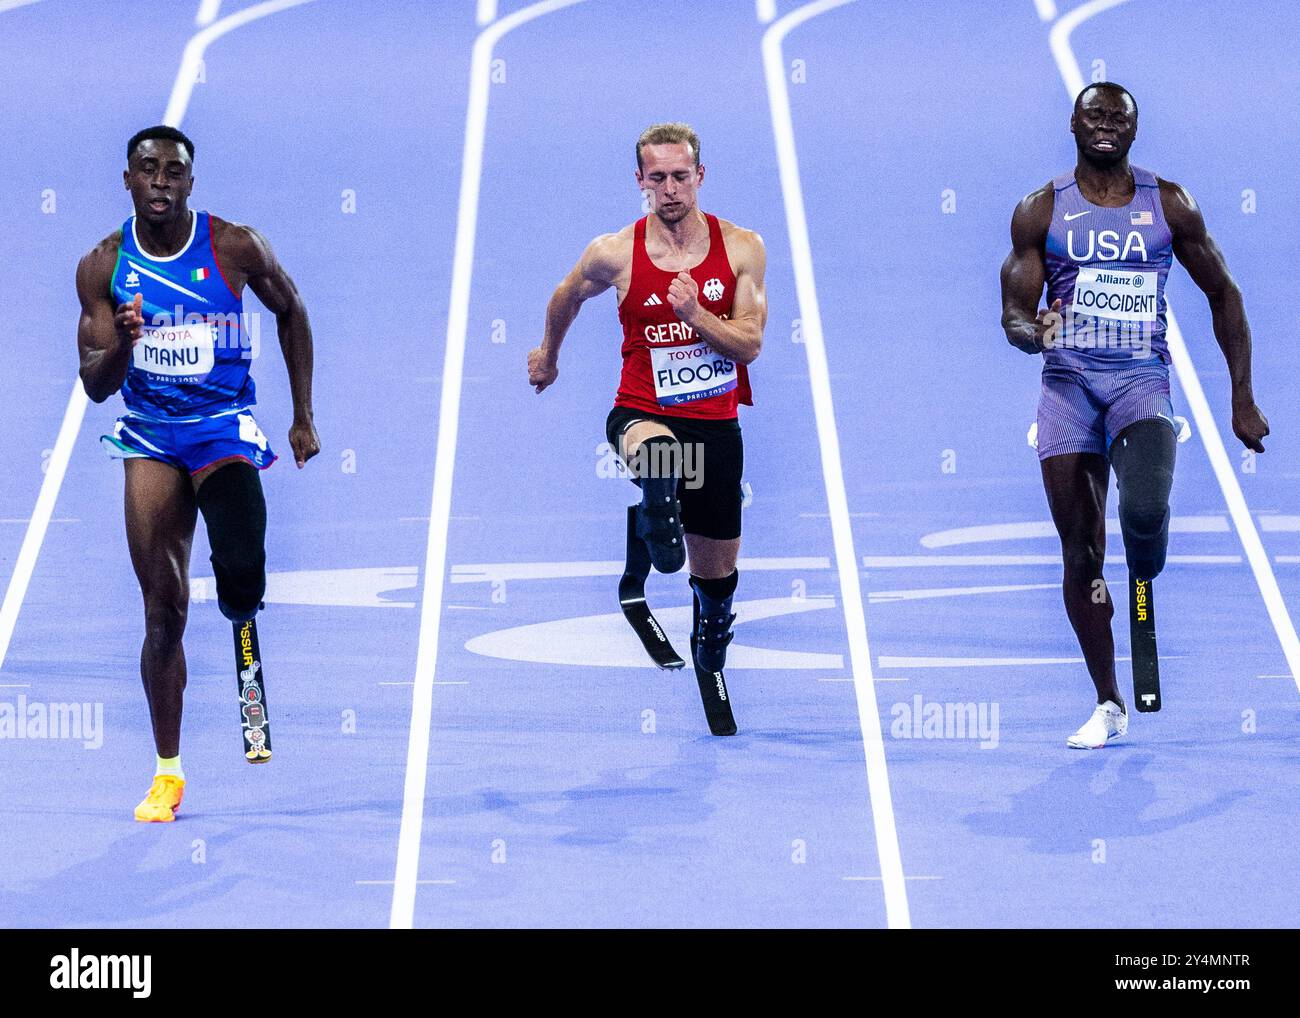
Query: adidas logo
x=652, y=300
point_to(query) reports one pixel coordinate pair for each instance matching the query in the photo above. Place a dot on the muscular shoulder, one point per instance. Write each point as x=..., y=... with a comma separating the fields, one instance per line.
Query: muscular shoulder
x=241, y=247
x=95, y=270
x=608, y=255
x=1181, y=211
x=106, y=250
x=1033, y=216
x=745, y=248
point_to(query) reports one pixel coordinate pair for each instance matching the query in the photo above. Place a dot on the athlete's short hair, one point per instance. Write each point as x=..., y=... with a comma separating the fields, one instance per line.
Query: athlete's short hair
x=668, y=133
x=162, y=132
x=1112, y=86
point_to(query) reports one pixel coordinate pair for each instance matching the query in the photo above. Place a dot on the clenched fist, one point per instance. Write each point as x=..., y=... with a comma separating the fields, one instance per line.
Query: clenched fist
x=129, y=320
x=684, y=296
x=542, y=369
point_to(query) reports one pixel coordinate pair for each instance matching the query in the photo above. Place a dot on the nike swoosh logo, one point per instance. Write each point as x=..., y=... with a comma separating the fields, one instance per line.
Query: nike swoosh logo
x=1075, y=215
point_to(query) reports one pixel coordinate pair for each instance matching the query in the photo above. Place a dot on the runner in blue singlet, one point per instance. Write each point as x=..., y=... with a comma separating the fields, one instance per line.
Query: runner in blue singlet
x=162, y=320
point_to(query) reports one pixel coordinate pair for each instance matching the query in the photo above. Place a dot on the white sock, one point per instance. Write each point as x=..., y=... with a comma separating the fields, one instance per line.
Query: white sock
x=172, y=766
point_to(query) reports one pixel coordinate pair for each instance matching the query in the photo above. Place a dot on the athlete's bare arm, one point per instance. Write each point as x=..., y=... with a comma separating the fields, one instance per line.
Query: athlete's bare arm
x=105, y=334
x=606, y=259
x=1025, y=272
x=739, y=337
x=1203, y=260
x=247, y=258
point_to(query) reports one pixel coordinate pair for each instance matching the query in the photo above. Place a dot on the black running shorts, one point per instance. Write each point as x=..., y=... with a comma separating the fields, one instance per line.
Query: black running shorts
x=713, y=459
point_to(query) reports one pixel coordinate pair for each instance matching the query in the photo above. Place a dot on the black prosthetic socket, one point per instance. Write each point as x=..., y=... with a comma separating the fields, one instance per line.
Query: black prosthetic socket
x=1143, y=459
x=234, y=511
x=713, y=618
x=658, y=467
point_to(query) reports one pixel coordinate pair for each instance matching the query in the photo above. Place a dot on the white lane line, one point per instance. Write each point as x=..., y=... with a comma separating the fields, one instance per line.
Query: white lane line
x=388, y=883
x=16, y=592
x=1058, y=39
x=1045, y=528
x=926, y=593
x=915, y=561
x=208, y=10
x=1279, y=524
x=195, y=48
x=484, y=572
x=402, y=914
x=1238, y=509
x=1208, y=427
x=1046, y=9
x=34, y=536
x=486, y=12
x=882, y=878
x=878, y=678
x=882, y=808
x=766, y=10
x=13, y=5
x=985, y=662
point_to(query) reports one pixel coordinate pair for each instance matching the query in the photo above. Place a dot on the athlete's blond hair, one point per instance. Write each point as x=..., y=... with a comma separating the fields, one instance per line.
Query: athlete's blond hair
x=668, y=133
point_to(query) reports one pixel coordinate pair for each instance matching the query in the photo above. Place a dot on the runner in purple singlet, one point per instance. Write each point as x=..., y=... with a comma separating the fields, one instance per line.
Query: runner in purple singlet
x=1102, y=238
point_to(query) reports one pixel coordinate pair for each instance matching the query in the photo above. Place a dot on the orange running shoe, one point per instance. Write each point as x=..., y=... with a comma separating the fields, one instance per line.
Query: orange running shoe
x=163, y=801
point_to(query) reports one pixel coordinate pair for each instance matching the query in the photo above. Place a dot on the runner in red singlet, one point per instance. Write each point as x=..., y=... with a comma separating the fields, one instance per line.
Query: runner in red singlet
x=692, y=305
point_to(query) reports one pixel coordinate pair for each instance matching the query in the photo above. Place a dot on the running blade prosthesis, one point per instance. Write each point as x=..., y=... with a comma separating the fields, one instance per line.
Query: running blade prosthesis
x=631, y=598
x=717, y=703
x=252, y=694
x=1142, y=636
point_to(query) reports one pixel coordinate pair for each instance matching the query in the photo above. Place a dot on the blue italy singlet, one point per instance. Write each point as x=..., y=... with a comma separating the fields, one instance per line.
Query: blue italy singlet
x=194, y=356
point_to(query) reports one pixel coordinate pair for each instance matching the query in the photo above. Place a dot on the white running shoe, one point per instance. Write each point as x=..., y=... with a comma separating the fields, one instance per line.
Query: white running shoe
x=1107, y=722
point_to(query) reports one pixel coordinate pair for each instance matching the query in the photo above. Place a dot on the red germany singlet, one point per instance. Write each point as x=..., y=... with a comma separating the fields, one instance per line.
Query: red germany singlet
x=666, y=368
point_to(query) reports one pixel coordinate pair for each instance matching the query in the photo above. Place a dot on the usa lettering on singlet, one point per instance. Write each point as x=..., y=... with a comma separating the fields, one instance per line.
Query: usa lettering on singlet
x=667, y=368
x=194, y=355
x=1108, y=267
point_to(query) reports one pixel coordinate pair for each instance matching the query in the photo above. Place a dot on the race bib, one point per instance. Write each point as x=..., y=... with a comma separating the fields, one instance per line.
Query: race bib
x=1112, y=293
x=684, y=374
x=177, y=351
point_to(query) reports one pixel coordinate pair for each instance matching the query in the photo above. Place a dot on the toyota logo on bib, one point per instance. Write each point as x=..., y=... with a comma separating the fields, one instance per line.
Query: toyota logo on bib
x=713, y=289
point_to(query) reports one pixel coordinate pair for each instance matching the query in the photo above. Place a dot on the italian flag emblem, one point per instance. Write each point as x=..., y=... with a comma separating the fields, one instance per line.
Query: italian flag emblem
x=198, y=275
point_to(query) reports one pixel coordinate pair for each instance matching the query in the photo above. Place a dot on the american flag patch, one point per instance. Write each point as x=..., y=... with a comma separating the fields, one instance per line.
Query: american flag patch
x=198, y=275
x=1140, y=219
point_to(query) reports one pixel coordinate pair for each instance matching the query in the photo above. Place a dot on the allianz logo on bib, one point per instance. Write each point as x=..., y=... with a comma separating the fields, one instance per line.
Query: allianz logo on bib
x=1124, y=296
